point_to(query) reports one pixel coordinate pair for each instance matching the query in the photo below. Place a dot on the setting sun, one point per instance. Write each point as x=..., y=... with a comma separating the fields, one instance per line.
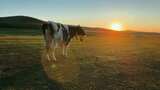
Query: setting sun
x=117, y=27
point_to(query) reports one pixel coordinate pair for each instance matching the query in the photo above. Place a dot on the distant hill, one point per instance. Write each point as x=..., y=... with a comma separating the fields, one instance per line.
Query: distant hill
x=20, y=22
x=27, y=22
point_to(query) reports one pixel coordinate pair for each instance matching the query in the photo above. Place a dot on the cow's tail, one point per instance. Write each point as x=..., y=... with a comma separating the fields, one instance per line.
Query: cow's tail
x=48, y=30
x=44, y=28
x=48, y=33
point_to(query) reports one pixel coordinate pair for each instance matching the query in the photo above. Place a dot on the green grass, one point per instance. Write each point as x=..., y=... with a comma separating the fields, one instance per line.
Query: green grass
x=107, y=61
x=20, y=31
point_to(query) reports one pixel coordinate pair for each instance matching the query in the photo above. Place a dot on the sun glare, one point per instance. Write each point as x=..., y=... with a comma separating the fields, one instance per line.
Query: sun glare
x=117, y=27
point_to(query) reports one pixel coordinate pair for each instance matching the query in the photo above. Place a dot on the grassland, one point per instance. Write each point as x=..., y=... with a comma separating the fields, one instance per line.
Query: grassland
x=104, y=61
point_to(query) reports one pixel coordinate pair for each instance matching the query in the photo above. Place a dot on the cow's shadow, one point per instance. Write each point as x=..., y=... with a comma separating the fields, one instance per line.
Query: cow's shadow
x=23, y=69
x=62, y=70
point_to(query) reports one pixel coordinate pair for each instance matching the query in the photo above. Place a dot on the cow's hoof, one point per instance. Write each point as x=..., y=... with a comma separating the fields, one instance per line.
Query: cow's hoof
x=48, y=59
x=55, y=59
x=65, y=56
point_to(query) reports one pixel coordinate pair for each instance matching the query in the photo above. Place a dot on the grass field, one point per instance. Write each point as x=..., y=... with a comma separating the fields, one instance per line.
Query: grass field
x=104, y=61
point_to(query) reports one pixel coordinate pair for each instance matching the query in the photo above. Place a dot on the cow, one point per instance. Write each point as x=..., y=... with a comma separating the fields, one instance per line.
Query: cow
x=57, y=34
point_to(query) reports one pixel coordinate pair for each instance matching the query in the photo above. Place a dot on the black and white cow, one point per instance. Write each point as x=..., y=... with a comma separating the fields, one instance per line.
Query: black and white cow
x=56, y=34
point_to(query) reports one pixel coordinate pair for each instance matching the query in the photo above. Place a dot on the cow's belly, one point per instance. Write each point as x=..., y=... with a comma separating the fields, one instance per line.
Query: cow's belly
x=58, y=38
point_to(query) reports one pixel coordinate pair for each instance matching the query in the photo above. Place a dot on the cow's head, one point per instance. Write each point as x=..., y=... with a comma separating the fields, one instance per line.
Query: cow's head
x=80, y=33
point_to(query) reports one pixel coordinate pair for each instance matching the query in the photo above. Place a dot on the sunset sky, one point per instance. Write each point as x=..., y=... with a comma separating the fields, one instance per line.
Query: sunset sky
x=140, y=15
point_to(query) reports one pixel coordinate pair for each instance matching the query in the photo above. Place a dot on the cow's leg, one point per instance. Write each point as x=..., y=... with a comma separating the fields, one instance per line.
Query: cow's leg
x=48, y=48
x=48, y=40
x=53, y=54
x=47, y=54
x=64, y=50
x=54, y=46
x=66, y=53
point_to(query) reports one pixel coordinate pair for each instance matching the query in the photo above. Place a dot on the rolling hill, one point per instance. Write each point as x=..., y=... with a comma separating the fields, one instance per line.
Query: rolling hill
x=20, y=22
x=28, y=22
x=25, y=25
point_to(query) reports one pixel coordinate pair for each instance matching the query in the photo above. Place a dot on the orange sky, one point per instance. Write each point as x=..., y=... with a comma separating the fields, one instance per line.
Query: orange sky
x=140, y=15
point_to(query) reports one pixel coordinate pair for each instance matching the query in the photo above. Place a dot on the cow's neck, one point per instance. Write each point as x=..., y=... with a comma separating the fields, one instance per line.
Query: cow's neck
x=72, y=32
